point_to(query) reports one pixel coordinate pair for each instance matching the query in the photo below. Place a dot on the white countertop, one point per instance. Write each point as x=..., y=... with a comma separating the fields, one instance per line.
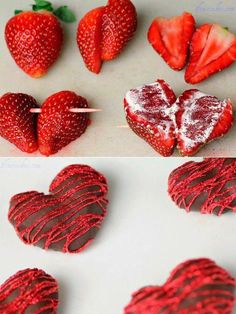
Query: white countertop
x=138, y=64
x=142, y=239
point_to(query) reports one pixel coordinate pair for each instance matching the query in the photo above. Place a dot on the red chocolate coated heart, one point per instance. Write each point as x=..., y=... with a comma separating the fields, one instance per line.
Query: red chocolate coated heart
x=208, y=186
x=69, y=217
x=29, y=291
x=149, y=112
x=195, y=287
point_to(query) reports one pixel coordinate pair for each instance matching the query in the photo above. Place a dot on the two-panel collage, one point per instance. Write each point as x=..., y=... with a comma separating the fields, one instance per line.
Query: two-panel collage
x=118, y=157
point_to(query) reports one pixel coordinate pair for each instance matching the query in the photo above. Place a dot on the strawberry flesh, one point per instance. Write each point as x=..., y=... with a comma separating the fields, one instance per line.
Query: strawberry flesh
x=171, y=37
x=213, y=48
x=149, y=112
x=57, y=126
x=17, y=123
x=200, y=119
x=34, y=40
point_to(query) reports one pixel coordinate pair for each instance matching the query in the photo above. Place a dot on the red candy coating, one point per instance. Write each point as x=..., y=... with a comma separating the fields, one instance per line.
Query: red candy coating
x=208, y=186
x=67, y=219
x=195, y=287
x=29, y=291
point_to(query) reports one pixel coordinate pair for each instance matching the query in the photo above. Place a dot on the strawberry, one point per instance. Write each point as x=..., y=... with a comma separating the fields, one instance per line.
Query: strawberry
x=149, y=112
x=213, y=48
x=171, y=38
x=35, y=38
x=104, y=32
x=200, y=119
x=17, y=123
x=57, y=127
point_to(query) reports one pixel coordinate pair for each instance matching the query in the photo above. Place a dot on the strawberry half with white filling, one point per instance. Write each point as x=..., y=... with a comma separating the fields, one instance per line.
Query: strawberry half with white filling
x=171, y=38
x=149, y=112
x=213, y=48
x=200, y=119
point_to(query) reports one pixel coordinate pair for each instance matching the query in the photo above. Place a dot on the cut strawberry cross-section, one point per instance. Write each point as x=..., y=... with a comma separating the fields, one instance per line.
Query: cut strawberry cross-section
x=149, y=111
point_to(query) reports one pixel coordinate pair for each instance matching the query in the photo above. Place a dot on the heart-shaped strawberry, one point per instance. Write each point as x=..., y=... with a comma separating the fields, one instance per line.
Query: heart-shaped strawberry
x=192, y=121
x=198, y=286
x=150, y=114
x=57, y=126
x=17, y=124
x=208, y=186
x=29, y=291
x=67, y=219
x=200, y=119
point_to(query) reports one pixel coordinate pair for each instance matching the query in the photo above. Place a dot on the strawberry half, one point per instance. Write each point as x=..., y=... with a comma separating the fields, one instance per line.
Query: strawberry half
x=104, y=32
x=171, y=38
x=200, y=119
x=57, y=126
x=213, y=48
x=34, y=40
x=17, y=123
x=149, y=112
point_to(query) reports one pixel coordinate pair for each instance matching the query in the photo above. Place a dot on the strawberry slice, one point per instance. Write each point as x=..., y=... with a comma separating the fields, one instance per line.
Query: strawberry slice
x=89, y=38
x=149, y=112
x=17, y=123
x=213, y=48
x=104, y=32
x=200, y=119
x=171, y=38
x=118, y=27
x=57, y=127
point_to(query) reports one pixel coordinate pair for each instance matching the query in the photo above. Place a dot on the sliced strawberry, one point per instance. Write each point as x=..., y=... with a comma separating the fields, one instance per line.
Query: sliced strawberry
x=213, y=48
x=200, y=119
x=17, y=123
x=118, y=27
x=104, y=32
x=57, y=126
x=150, y=114
x=171, y=38
x=89, y=37
x=34, y=40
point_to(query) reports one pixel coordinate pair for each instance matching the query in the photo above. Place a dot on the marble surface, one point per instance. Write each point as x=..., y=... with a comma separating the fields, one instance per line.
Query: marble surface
x=138, y=64
x=144, y=236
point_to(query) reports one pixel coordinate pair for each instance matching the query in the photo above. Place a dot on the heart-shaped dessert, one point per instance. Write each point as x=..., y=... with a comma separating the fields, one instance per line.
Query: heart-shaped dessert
x=208, y=186
x=29, y=291
x=191, y=121
x=198, y=286
x=149, y=112
x=67, y=219
x=54, y=128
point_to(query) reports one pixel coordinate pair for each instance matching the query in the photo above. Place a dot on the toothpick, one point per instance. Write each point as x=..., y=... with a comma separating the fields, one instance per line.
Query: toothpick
x=122, y=126
x=73, y=110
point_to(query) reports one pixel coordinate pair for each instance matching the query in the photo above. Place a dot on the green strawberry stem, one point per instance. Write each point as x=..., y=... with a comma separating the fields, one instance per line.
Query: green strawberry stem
x=63, y=12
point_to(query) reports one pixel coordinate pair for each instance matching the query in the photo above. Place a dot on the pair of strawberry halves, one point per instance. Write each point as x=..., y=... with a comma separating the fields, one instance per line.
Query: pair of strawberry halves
x=104, y=32
x=35, y=38
x=212, y=48
x=54, y=128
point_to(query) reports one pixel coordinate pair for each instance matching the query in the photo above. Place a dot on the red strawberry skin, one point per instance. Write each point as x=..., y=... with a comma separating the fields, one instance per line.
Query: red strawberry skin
x=57, y=127
x=200, y=119
x=148, y=113
x=104, y=32
x=34, y=40
x=17, y=123
x=171, y=38
x=213, y=48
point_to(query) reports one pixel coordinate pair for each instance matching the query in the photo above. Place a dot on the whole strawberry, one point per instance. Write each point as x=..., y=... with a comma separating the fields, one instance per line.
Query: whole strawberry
x=104, y=32
x=35, y=38
x=17, y=123
x=57, y=126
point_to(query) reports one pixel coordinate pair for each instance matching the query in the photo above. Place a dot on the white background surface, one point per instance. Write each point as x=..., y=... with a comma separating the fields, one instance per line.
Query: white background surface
x=138, y=64
x=143, y=237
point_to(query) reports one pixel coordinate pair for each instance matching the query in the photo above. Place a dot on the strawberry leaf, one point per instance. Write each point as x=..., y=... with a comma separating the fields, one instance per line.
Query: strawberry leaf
x=65, y=14
x=18, y=12
x=42, y=5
